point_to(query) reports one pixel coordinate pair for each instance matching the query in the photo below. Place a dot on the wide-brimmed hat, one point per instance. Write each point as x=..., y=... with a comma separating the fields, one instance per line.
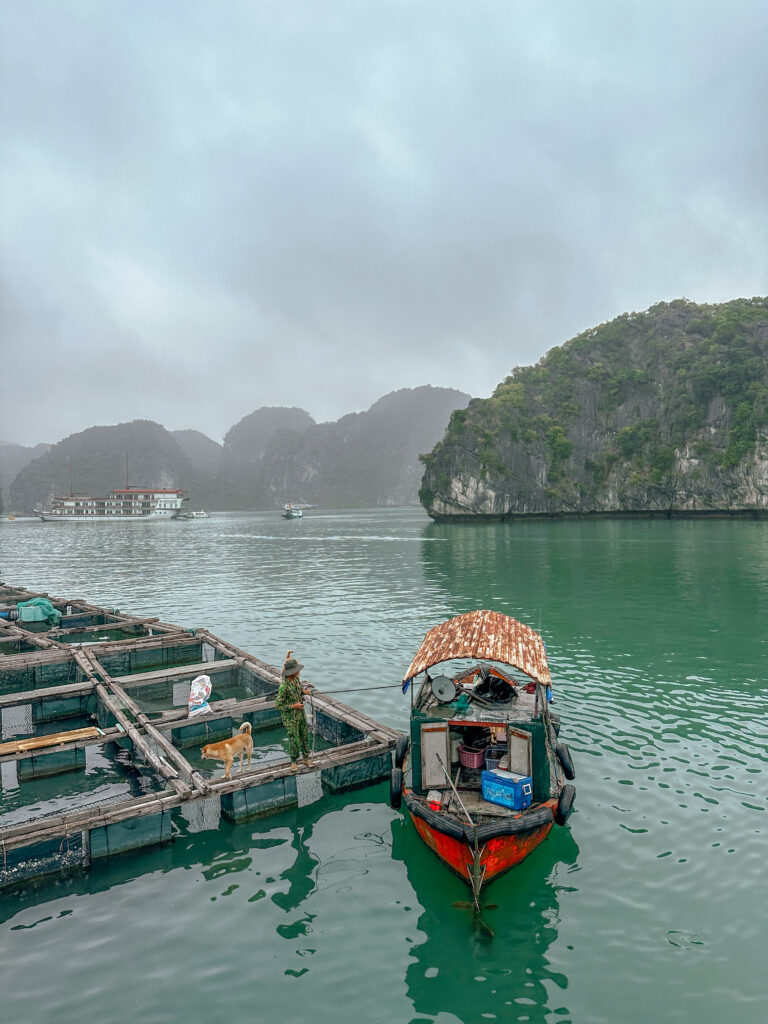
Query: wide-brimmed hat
x=291, y=667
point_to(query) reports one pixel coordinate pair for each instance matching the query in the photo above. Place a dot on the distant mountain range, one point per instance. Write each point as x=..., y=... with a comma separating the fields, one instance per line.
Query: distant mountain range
x=272, y=456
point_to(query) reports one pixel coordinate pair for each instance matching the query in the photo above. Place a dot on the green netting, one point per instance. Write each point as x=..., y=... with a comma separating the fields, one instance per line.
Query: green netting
x=38, y=609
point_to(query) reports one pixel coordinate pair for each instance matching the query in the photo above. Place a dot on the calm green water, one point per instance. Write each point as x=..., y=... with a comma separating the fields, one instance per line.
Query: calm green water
x=649, y=906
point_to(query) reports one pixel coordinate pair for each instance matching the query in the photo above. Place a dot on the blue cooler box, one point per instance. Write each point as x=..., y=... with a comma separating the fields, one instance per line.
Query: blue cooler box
x=508, y=789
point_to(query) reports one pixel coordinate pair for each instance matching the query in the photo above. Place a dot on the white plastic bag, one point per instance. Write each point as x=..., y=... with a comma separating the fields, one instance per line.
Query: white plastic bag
x=199, y=692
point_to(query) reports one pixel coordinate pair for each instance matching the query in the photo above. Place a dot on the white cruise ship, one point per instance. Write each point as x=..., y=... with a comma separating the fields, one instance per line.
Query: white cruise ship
x=130, y=503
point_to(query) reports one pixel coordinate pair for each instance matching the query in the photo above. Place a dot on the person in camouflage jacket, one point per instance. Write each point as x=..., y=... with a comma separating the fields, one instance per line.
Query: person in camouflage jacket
x=290, y=704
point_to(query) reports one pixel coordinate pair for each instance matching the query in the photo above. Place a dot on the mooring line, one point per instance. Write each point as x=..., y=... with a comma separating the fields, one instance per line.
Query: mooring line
x=359, y=689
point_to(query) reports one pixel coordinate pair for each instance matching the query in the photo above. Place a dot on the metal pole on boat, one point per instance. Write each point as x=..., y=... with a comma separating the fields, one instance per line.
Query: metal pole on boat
x=478, y=876
x=455, y=791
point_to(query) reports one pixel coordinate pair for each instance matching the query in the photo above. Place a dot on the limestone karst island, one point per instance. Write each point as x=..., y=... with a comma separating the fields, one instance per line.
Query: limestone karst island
x=656, y=413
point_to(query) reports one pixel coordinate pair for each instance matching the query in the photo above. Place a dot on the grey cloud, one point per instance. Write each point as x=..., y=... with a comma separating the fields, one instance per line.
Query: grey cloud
x=211, y=207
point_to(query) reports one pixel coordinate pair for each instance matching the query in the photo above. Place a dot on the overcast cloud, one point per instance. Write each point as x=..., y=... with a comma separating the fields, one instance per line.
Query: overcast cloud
x=212, y=206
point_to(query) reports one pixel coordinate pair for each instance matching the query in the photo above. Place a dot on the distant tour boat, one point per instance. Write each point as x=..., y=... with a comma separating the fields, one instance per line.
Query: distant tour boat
x=130, y=503
x=291, y=512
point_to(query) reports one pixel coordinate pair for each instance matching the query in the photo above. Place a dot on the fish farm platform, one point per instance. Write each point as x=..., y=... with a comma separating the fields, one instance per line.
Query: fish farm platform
x=98, y=755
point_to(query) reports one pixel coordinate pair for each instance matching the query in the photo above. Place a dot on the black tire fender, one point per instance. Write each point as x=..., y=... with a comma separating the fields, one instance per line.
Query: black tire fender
x=401, y=749
x=565, y=803
x=396, y=788
x=566, y=761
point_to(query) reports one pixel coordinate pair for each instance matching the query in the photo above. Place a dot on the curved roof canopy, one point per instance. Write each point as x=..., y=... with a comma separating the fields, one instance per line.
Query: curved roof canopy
x=490, y=636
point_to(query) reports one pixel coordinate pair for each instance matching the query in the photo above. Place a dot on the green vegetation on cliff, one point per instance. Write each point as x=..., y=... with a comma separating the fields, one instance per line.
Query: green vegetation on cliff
x=665, y=409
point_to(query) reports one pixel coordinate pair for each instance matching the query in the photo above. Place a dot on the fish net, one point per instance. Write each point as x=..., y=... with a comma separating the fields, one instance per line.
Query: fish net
x=48, y=857
x=181, y=694
x=309, y=788
x=202, y=815
x=17, y=720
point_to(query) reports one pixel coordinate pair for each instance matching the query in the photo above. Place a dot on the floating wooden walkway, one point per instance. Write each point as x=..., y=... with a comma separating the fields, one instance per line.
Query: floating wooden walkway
x=125, y=681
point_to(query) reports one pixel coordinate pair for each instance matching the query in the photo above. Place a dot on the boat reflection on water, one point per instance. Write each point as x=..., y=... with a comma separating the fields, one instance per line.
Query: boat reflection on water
x=316, y=894
x=457, y=968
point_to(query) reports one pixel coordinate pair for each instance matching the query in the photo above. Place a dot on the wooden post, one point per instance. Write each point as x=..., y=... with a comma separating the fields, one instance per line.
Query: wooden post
x=160, y=766
x=175, y=757
x=173, y=754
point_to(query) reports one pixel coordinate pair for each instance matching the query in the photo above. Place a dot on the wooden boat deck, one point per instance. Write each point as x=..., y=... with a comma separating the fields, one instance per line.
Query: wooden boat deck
x=57, y=681
x=477, y=806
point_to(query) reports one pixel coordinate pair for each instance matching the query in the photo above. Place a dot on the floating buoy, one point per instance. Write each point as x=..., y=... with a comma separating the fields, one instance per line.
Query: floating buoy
x=401, y=747
x=566, y=761
x=565, y=803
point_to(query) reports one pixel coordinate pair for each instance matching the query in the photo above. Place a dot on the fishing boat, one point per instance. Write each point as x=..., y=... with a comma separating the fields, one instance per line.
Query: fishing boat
x=130, y=503
x=482, y=771
x=292, y=512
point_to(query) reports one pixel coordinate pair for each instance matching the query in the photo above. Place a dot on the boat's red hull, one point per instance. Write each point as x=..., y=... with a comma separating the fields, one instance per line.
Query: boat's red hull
x=497, y=855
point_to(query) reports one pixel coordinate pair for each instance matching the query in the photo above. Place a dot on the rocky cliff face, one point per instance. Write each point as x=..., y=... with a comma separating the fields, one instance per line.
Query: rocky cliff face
x=663, y=412
x=364, y=459
x=203, y=453
x=245, y=446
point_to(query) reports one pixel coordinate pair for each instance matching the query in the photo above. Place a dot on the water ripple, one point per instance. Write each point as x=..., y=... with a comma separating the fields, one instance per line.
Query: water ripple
x=645, y=908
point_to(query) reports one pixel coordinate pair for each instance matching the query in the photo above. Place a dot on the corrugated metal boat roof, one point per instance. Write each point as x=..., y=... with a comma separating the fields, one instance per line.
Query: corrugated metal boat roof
x=487, y=635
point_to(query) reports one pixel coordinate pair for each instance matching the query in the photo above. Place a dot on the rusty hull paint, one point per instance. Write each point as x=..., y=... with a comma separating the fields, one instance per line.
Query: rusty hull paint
x=486, y=635
x=500, y=854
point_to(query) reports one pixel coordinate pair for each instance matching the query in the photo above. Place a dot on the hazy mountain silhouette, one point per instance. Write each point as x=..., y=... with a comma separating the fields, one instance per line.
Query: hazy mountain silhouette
x=271, y=456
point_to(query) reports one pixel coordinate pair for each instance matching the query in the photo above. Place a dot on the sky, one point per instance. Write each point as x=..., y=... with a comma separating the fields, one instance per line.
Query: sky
x=209, y=207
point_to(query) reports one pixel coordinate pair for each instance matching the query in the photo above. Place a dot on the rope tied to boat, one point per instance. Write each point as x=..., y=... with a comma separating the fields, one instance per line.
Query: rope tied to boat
x=362, y=689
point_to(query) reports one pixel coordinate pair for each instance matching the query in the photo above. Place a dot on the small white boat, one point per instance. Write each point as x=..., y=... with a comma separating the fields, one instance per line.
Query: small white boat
x=291, y=512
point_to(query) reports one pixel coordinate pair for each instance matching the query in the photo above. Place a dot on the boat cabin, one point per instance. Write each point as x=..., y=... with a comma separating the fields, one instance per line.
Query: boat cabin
x=482, y=740
x=484, y=720
x=481, y=771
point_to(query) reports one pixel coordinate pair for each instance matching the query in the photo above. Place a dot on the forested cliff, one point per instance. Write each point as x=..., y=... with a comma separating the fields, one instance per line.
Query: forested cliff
x=662, y=412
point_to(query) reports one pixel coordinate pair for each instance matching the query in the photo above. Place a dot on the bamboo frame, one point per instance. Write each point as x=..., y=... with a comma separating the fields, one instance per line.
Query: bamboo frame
x=103, y=736
x=149, y=736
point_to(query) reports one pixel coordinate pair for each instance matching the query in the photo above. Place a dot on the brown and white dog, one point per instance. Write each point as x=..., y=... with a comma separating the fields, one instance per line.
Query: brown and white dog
x=227, y=750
